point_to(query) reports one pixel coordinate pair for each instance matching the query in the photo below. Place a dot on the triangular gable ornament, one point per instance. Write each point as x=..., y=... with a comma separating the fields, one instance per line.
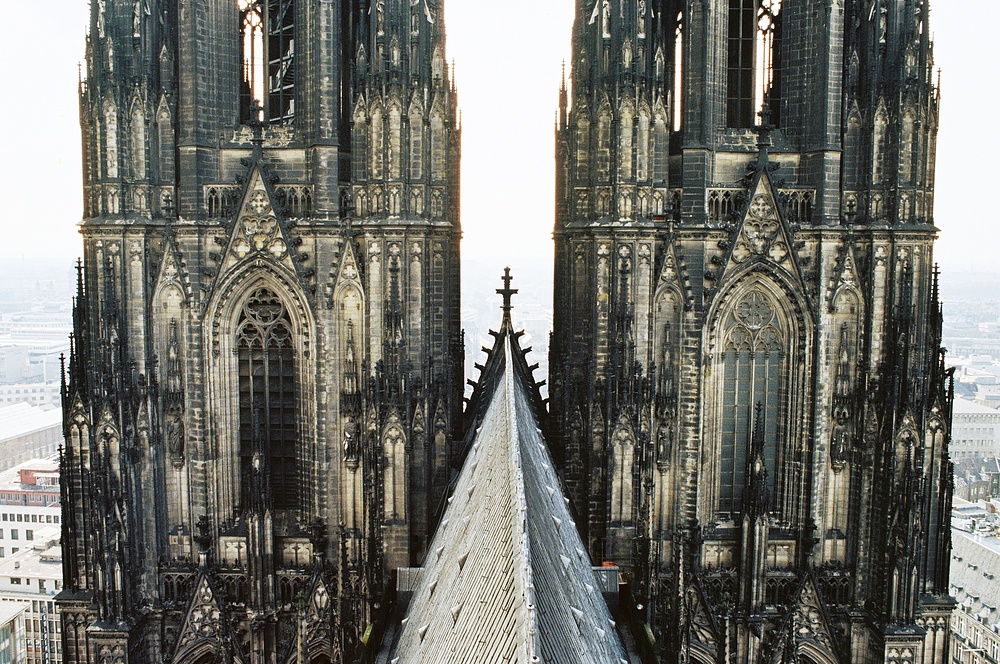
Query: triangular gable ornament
x=701, y=631
x=807, y=627
x=845, y=276
x=673, y=272
x=319, y=615
x=349, y=269
x=172, y=268
x=762, y=234
x=257, y=232
x=203, y=621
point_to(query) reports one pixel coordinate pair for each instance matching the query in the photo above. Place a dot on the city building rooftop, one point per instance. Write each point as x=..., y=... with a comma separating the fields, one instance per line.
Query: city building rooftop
x=21, y=419
x=10, y=610
x=44, y=472
x=38, y=559
x=966, y=407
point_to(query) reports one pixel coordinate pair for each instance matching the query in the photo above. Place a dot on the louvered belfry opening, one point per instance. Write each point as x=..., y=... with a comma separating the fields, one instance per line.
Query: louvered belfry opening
x=753, y=62
x=267, y=386
x=267, y=56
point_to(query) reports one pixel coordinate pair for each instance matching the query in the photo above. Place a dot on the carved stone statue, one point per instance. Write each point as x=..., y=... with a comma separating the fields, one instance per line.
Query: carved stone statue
x=100, y=18
x=173, y=432
x=664, y=445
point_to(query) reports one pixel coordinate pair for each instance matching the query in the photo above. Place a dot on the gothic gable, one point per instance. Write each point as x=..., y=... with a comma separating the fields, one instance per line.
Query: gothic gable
x=205, y=624
x=673, y=274
x=172, y=273
x=347, y=274
x=762, y=236
x=258, y=233
x=846, y=276
x=700, y=629
x=319, y=637
x=806, y=630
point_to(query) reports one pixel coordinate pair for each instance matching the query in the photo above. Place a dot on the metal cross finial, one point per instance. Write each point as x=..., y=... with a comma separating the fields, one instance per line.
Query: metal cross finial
x=506, y=292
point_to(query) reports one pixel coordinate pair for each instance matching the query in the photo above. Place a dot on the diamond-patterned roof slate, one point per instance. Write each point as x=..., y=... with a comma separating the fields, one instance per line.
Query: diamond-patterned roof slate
x=507, y=578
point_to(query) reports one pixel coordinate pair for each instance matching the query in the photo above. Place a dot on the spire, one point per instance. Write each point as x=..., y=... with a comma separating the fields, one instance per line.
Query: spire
x=506, y=292
x=935, y=285
x=260, y=486
x=257, y=126
x=764, y=130
x=563, y=99
x=755, y=498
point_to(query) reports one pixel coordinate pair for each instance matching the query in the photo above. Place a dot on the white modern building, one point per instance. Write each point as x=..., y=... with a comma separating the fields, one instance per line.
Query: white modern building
x=975, y=431
x=31, y=577
x=43, y=395
x=12, y=639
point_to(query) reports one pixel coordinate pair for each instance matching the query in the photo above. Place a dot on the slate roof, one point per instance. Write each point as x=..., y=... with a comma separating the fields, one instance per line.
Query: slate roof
x=507, y=578
x=975, y=576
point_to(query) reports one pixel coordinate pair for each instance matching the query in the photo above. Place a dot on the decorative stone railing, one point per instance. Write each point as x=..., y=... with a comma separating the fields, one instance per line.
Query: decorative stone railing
x=723, y=204
x=293, y=200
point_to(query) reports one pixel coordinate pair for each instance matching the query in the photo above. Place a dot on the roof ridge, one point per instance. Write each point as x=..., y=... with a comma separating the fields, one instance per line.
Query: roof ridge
x=499, y=581
x=525, y=572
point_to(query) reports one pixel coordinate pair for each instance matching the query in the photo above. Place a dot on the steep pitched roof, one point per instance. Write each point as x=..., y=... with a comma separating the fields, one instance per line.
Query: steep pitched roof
x=507, y=577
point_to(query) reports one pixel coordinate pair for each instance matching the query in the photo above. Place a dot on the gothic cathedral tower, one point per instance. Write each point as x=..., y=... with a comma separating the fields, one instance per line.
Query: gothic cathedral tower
x=265, y=383
x=749, y=399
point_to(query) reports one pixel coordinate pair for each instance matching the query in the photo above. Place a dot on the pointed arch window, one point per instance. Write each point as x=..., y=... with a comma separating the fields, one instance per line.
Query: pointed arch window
x=642, y=151
x=438, y=146
x=377, y=143
x=678, y=71
x=753, y=366
x=625, y=140
x=753, y=61
x=267, y=394
x=267, y=56
x=395, y=142
x=604, y=145
x=416, y=145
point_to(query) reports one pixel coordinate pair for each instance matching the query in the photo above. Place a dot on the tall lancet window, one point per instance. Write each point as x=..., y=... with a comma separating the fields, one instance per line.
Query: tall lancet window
x=753, y=361
x=267, y=54
x=678, y=71
x=267, y=395
x=753, y=64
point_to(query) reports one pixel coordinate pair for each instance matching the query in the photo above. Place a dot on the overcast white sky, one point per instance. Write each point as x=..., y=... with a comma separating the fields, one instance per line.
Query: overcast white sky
x=508, y=59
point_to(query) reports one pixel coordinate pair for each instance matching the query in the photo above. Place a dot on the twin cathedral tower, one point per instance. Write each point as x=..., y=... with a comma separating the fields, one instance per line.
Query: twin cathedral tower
x=748, y=405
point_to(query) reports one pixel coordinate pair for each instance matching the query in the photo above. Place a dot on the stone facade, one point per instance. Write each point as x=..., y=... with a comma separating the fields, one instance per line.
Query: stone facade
x=748, y=397
x=264, y=391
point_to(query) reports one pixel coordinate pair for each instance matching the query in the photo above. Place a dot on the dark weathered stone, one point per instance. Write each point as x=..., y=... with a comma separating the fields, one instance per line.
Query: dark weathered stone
x=182, y=537
x=825, y=223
